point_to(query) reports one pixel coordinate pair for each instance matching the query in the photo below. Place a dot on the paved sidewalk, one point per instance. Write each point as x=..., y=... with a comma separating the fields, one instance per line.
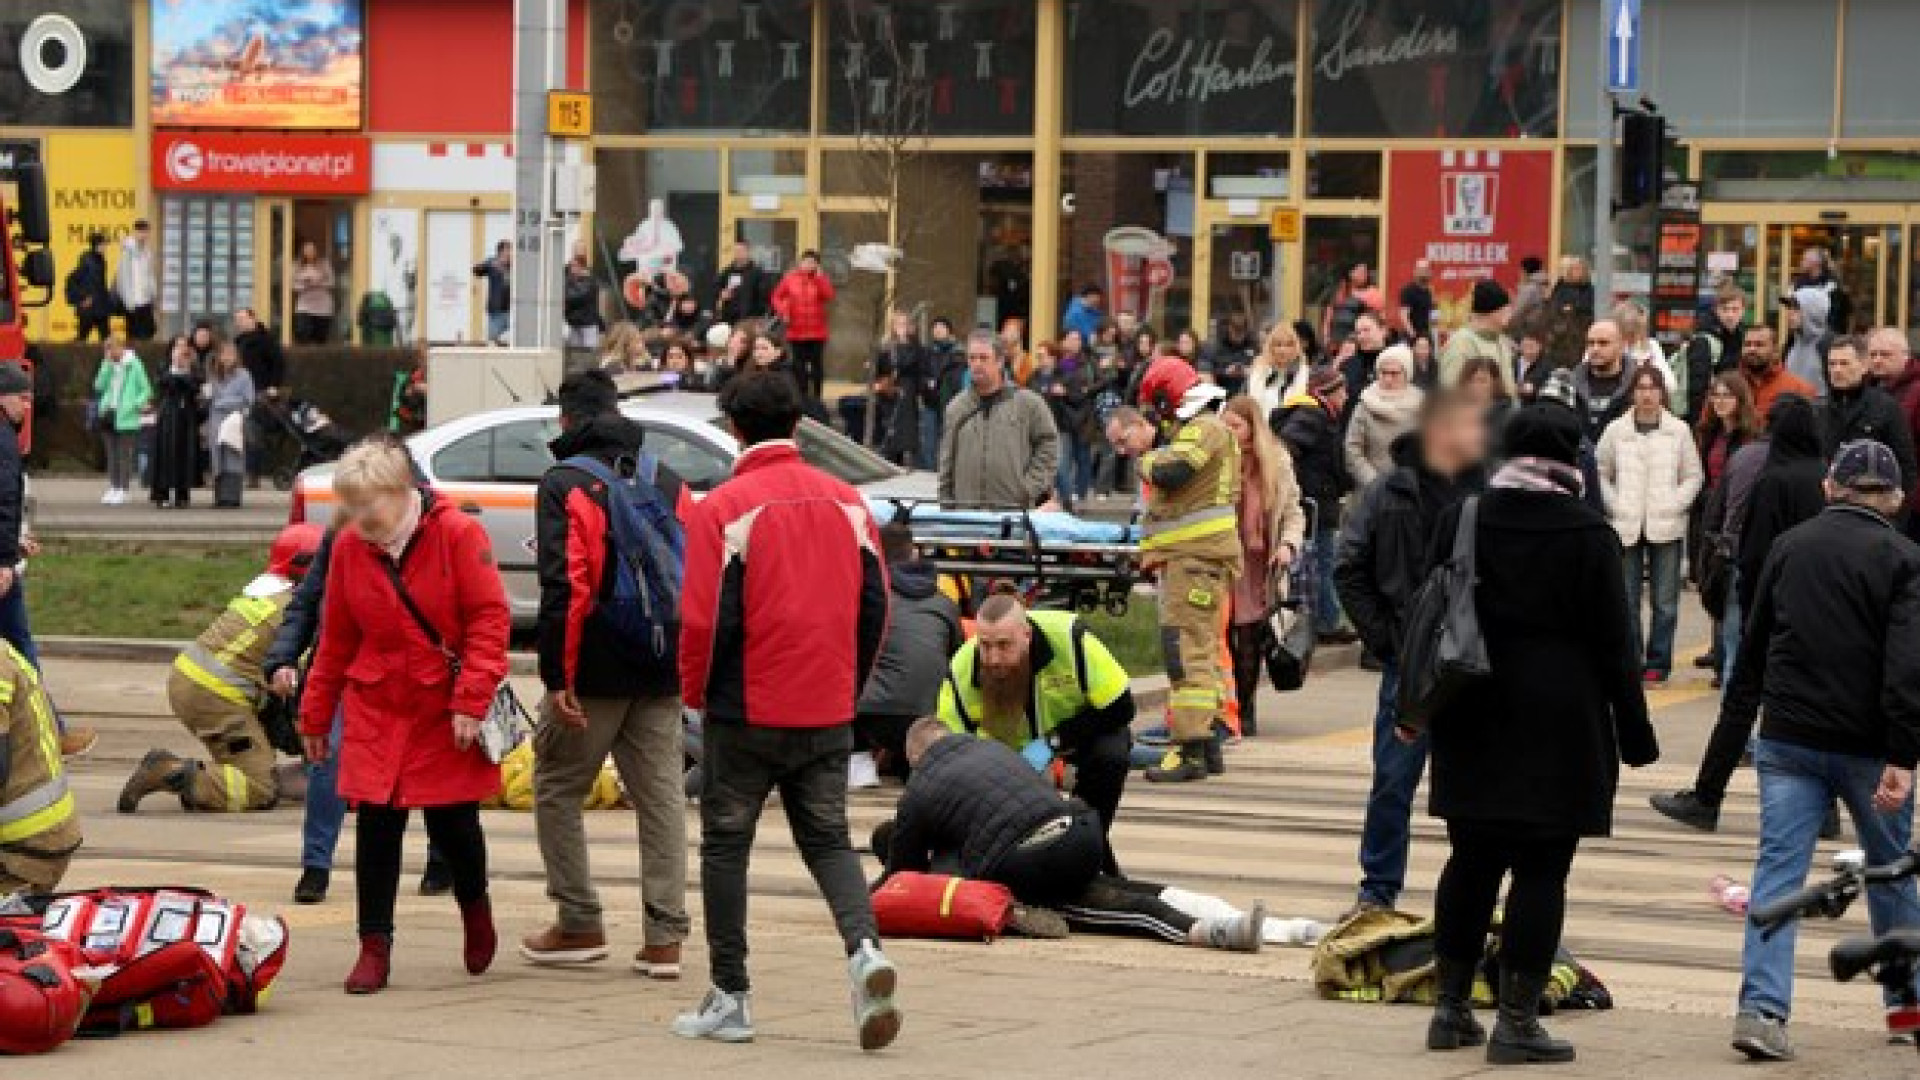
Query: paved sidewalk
x=1281, y=825
x=70, y=506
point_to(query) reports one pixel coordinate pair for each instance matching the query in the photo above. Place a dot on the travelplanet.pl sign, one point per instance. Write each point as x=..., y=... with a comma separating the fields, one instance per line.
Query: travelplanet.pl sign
x=262, y=164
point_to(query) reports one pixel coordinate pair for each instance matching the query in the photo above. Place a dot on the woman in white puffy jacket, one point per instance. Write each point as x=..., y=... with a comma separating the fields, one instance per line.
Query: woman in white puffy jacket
x=1650, y=474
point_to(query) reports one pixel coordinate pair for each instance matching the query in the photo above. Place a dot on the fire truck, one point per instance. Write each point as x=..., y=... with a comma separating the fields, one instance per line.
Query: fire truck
x=28, y=275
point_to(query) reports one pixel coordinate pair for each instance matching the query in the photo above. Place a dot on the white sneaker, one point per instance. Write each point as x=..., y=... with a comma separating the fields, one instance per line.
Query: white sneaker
x=722, y=1017
x=106, y=499
x=874, y=981
x=862, y=772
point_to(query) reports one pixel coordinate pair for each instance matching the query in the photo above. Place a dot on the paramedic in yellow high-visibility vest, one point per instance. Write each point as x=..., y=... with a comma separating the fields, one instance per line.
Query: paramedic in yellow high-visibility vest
x=1191, y=536
x=39, y=824
x=217, y=687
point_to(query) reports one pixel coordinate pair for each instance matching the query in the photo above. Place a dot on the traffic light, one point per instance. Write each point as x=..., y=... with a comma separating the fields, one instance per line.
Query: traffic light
x=1643, y=152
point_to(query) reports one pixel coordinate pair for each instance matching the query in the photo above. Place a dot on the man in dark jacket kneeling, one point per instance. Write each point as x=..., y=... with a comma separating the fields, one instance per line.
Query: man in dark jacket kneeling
x=987, y=814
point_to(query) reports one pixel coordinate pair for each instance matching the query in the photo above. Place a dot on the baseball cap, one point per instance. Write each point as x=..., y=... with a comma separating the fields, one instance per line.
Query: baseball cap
x=1865, y=465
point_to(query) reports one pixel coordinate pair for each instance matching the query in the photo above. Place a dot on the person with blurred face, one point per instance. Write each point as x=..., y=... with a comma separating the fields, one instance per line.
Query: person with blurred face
x=411, y=577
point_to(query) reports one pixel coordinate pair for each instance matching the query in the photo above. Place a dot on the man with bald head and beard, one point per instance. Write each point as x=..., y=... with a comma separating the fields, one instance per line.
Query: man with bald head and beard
x=1041, y=684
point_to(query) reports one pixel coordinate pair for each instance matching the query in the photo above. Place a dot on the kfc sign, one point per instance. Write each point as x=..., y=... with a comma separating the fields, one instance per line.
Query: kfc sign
x=262, y=164
x=1471, y=214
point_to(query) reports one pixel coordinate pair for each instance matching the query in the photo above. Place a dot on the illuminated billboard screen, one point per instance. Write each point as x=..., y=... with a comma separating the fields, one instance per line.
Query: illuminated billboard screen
x=257, y=63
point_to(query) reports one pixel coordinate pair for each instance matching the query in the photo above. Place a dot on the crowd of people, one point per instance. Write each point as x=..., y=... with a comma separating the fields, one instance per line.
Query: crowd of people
x=205, y=420
x=1334, y=467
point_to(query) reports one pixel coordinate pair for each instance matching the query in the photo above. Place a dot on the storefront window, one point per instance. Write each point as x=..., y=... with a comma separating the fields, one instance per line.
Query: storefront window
x=1128, y=228
x=738, y=66
x=1334, y=246
x=1343, y=175
x=206, y=258
x=658, y=209
x=1724, y=68
x=1435, y=68
x=768, y=173
x=1250, y=176
x=1182, y=67
x=1878, y=97
x=1813, y=175
x=903, y=68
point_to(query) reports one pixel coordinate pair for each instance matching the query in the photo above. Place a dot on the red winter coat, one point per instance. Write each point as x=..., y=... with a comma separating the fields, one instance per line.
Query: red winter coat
x=785, y=598
x=399, y=696
x=801, y=299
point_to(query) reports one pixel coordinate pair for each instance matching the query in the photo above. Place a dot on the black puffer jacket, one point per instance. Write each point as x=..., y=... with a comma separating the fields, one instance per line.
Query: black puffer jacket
x=300, y=626
x=923, y=632
x=1788, y=492
x=1384, y=544
x=972, y=796
x=1313, y=438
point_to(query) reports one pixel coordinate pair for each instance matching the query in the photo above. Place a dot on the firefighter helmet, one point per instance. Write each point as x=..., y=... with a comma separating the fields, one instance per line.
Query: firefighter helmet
x=1166, y=382
x=294, y=550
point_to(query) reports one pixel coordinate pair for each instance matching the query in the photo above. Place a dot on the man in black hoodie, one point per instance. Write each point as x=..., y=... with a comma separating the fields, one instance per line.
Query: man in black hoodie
x=923, y=633
x=604, y=694
x=1787, y=492
x=1383, y=559
x=266, y=363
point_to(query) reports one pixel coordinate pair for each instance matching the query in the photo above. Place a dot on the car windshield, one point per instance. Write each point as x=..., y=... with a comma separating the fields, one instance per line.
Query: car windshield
x=837, y=455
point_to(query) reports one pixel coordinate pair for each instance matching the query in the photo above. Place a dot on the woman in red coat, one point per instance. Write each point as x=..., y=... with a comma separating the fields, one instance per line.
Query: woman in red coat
x=410, y=736
x=801, y=299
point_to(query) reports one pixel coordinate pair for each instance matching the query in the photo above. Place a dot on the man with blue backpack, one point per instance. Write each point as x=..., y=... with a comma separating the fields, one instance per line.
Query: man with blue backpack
x=610, y=549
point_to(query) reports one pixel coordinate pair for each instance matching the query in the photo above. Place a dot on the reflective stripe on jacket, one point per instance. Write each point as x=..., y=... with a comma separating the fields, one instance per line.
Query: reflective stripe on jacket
x=1199, y=517
x=1072, y=671
x=35, y=803
x=226, y=660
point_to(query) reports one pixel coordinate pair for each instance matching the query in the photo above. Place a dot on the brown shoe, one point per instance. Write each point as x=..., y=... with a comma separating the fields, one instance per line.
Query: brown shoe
x=77, y=741
x=660, y=962
x=554, y=947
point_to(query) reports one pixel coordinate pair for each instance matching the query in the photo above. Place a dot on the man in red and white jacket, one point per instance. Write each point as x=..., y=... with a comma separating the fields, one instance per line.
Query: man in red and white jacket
x=782, y=614
x=801, y=299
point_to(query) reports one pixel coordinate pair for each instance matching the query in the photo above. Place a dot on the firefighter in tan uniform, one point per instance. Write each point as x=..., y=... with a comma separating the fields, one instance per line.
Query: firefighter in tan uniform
x=39, y=824
x=216, y=689
x=1192, y=535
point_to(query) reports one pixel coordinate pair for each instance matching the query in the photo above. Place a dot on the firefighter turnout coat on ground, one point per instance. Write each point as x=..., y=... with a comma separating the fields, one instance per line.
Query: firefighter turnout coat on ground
x=39, y=824
x=216, y=689
x=1192, y=534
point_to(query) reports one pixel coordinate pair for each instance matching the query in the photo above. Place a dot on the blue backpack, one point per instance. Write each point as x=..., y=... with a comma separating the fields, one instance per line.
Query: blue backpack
x=649, y=551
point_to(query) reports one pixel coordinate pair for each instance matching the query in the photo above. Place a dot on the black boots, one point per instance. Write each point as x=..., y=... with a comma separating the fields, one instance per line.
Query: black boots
x=1518, y=1038
x=1453, y=1026
x=1185, y=762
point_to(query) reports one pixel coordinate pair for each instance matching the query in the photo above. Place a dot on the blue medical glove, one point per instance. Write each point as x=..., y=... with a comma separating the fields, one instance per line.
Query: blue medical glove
x=1038, y=754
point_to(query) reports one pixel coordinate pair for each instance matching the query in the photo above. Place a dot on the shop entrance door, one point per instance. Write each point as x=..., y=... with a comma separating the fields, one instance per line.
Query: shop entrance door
x=1860, y=257
x=291, y=225
x=1248, y=252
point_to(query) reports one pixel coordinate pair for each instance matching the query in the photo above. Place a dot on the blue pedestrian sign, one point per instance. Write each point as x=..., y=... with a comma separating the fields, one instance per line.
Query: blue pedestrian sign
x=1623, y=46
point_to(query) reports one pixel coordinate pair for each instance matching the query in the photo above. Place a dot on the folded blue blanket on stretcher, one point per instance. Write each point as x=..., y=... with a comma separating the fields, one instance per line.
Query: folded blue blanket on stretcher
x=1054, y=527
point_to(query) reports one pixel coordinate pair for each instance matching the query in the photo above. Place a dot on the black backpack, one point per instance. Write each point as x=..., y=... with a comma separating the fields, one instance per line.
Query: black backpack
x=1443, y=652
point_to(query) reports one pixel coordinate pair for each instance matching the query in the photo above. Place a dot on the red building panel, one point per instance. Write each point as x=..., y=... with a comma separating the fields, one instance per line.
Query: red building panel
x=447, y=65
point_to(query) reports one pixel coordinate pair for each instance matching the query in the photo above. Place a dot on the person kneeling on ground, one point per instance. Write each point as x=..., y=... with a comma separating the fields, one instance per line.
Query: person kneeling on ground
x=1041, y=684
x=217, y=687
x=984, y=801
x=39, y=824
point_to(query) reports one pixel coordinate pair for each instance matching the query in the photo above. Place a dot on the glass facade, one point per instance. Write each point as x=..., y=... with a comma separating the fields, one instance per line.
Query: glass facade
x=1205, y=158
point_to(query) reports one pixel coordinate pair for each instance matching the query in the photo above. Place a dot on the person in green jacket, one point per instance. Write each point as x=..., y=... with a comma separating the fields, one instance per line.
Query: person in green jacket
x=122, y=393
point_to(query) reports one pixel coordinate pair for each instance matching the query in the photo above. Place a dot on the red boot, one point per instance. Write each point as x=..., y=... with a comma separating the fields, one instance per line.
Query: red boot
x=369, y=974
x=476, y=919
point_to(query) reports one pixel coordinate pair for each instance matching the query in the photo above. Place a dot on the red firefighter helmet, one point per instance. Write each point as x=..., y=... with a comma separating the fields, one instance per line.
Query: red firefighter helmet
x=294, y=549
x=1167, y=381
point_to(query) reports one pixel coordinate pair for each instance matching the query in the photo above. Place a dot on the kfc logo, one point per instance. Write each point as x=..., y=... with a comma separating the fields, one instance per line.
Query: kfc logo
x=262, y=164
x=1468, y=197
x=185, y=162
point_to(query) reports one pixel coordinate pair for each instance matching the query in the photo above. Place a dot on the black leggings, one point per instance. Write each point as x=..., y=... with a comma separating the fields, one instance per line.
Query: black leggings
x=454, y=832
x=810, y=363
x=1247, y=643
x=1482, y=855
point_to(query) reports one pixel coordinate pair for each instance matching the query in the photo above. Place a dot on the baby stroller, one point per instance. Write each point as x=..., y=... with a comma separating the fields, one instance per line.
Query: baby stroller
x=319, y=439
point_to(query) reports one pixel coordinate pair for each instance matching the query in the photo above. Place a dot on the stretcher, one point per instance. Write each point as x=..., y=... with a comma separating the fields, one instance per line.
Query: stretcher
x=1069, y=560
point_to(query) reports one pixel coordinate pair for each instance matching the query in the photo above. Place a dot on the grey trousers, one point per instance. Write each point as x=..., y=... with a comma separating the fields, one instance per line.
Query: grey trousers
x=644, y=736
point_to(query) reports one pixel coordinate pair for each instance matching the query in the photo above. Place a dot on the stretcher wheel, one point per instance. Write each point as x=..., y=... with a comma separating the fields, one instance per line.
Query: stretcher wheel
x=1116, y=605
